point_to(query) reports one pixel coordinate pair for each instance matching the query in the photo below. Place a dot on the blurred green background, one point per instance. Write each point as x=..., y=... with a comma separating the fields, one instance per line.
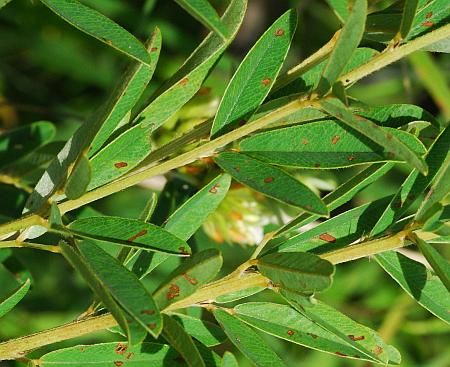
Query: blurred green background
x=50, y=71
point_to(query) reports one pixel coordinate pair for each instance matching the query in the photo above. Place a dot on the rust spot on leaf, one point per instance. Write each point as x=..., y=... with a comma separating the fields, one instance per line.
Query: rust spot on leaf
x=429, y=15
x=351, y=158
x=137, y=235
x=341, y=354
x=327, y=237
x=120, y=348
x=148, y=312
x=154, y=49
x=130, y=355
x=305, y=141
x=335, y=139
x=389, y=136
x=118, y=363
x=213, y=190
x=268, y=179
x=427, y=24
x=184, y=81
x=174, y=291
x=266, y=82
x=203, y=91
x=378, y=350
x=120, y=164
x=193, y=281
x=242, y=122
x=356, y=338
x=152, y=325
x=183, y=250
x=279, y=32
x=314, y=336
x=193, y=170
x=82, y=349
x=290, y=332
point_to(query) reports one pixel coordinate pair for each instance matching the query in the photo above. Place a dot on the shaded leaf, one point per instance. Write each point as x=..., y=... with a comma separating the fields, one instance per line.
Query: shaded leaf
x=247, y=340
x=111, y=354
x=79, y=179
x=7, y=303
x=129, y=232
x=409, y=12
x=346, y=44
x=177, y=337
x=385, y=139
x=270, y=181
x=97, y=25
x=416, y=280
x=4, y=2
x=229, y=360
x=205, y=13
x=256, y=74
x=205, y=332
x=188, y=277
x=124, y=286
x=300, y=271
x=323, y=144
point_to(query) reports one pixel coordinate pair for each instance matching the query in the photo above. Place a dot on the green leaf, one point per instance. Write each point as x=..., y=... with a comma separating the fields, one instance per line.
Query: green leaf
x=271, y=181
x=124, y=286
x=17, y=143
x=97, y=25
x=185, y=221
x=439, y=264
x=340, y=195
x=112, y=354
x=79, y=179
x=300, y=271
x=129, y=232
x=247, y=340
x=360, y=337
x=229, y=360
x=111, y=113
x=383, y=138
x=340, y=8
x=187, y=80
x=256, y=74
x=4, y=2
x=322, y=144
x=429, y=16
x=120, y=156
x=130, y=90
x=237, y=295
x=177, y=337
x=134, y=331
x=188, y=277
x=419, y=282
x=346, y=44
x=10, y=301
x=415, y=184
x=205, y=332
x=286, y=323
x=205, y=13
x=409, y=12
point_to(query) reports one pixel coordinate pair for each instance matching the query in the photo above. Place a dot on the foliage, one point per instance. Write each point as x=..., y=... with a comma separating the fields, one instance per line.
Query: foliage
x=260, y=150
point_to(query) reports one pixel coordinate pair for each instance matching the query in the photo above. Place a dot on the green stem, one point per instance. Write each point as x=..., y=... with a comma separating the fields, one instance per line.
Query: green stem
x=21, y=223
x=37, y=246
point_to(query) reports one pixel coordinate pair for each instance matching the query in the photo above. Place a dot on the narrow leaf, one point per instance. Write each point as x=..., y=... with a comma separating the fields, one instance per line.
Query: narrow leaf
x=124, y=286
x=97, y=25
x=79, y=179
x=229, y=360
x=177, y=337
x=188, y=277
x=271, y=181
x=4, y=2
x=10, y=301
x=187, y=80
x=348, y=40
x=205, y=332
x=205, y=13
x=111, y=354
x=383, y=138
x=429, y=16
x=323, y=144
x=300, y=271
x=416, y=280
x=409, y=12
x=237, y=295
x=129, y=232
x=134, y=331
x=439, y=264
x=256, y=74
x=247, y=341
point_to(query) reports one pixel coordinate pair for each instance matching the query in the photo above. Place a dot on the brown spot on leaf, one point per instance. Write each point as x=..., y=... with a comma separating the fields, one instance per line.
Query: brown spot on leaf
x=120, y=348
x=213, y=190
x=130, y=355
x=120, y=164
x=290, y=332
x=266, y=82
x=203, y=91
x=314, y=336
x=335, y=139
x=317, y=165
x=193, y=281
x=305, y=141
x=184, y=81
x=137, y=235
x=152, y=325
x=174, y=291
x=391, y=155
x=118, y=363
x=268, y=179
x=82, y=349
x=429, y=15
x=356, y=338
x=378, y=350
x=183, y=250
x=279, y=32
x=389, y=136
x=341, y=354
x=351, y=158
x=193, y=170
x=427, y=24
x=242, y=122
x=148, y=312
x=154, y=49
x=327, y=237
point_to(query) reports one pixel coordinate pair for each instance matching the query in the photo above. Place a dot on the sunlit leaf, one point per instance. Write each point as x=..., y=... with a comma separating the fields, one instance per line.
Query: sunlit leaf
x=79, y=179
x=9, y=302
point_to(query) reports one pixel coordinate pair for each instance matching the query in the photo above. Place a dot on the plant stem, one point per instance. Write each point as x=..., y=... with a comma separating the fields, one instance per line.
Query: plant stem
x=27, y=221
x=37, y=246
